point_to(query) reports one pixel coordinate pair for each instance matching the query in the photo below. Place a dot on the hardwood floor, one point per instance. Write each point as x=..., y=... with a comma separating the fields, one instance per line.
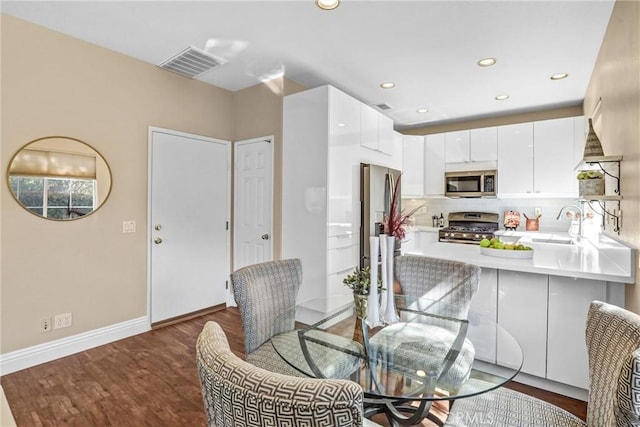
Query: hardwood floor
x=146, y=380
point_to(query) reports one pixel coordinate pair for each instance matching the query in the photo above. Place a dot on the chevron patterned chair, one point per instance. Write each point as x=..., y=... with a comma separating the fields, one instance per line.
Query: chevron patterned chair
x=236, y=393
x=263, y=292
x=613, y=346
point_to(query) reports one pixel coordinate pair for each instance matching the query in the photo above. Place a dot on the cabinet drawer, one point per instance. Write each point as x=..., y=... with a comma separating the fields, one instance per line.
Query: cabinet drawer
x=342, y=241
x=341, y=259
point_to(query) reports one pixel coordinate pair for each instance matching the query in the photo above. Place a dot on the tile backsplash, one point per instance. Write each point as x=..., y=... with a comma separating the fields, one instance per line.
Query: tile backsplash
x=549, y=208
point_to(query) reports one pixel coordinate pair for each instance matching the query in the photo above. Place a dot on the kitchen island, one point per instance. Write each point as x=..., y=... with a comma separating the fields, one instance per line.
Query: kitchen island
x=543, y=301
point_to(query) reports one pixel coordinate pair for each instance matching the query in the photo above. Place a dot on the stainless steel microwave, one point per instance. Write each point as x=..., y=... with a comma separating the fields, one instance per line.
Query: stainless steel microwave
x=471, y=183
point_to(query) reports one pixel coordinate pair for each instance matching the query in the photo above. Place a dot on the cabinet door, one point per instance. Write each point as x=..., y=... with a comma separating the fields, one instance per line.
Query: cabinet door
x=580, y=130
x=569, y=300
x=343, y=187
x=434, y=165
x=412, y=166
x=522, y=311
x=385, y=134
x=368, y=127
x=515, y=159
x=483, y=144
x=485, y=303
x=457, y=146
x=553, y=160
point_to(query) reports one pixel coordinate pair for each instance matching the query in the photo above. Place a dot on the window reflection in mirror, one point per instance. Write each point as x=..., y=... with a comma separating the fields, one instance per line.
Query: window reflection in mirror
x=59, y=178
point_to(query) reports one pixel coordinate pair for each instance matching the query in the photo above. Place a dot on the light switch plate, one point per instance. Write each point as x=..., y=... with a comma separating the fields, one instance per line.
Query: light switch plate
x=128, y=226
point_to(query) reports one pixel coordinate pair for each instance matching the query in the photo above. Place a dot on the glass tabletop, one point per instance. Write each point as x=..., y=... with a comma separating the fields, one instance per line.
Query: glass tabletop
x=429, y=354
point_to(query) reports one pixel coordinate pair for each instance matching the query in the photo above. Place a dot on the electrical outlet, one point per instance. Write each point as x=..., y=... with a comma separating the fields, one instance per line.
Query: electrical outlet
x=537, y=211
x=45, y=324
x=128, y=226
x=62, y=320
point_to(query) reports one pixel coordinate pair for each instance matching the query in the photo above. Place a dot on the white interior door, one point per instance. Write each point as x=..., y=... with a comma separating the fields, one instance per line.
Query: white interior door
x=188, y=220
x=253, y=202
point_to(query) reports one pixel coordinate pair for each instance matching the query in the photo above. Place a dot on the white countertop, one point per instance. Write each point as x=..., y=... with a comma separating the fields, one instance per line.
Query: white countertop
x=602, y=258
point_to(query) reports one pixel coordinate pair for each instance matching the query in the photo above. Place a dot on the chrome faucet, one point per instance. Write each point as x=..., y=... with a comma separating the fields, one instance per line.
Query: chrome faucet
x=580, y=217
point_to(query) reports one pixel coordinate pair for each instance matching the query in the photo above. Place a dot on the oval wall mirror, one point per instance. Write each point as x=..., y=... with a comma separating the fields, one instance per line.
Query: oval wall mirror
x=59, y=178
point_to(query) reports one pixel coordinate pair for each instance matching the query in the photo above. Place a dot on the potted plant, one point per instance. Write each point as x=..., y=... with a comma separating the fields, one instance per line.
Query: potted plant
x=591, y=183
x=360, y=284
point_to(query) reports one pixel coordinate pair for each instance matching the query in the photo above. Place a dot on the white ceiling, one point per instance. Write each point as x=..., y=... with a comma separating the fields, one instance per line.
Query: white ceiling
x=429, y=49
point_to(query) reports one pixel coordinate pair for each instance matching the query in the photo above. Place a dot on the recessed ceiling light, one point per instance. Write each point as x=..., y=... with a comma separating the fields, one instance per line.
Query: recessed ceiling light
x=501, y=97
x=487, y=62
x=387, y=85
x=341, y=125
x=327, y=4
x=559, y=76
x=422, y=110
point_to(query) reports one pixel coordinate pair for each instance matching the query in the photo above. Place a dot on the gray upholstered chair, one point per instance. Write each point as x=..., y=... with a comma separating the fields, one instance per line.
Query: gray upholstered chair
x=238, y=393
x=451, y=282
x=436, y=339
x=263, y=292
x=613, y=345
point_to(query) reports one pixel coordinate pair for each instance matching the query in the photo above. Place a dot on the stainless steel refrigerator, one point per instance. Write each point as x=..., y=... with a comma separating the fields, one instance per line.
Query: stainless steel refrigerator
x=376, y=187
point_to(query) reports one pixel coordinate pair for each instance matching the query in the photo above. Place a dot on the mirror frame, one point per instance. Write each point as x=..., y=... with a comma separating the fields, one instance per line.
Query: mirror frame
x=99, y=154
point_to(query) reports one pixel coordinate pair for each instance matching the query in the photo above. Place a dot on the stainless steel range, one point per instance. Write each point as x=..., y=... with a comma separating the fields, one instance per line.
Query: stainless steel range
x=469, y=227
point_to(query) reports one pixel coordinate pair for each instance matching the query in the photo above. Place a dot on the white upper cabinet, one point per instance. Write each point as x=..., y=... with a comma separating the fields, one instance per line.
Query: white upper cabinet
x=457, y=146
x=385, y=134
x=483, y=144
x=475, y=145
x=368, y=127
x=376, y=131
x=434, y=153
x=553, y=157
x=515, y=159
x=413, y=162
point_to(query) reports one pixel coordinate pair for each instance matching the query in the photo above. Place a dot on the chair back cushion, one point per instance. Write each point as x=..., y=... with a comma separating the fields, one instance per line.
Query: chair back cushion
x=613, y=339
x=451, y=282
x=238, y=393
x=263, y=292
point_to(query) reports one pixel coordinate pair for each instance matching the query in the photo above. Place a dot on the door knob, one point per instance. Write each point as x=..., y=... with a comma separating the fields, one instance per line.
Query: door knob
x=265, y=237
x=157, y=240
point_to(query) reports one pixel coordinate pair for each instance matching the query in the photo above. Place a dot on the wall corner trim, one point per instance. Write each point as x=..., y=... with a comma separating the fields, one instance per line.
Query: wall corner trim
x=42, y=353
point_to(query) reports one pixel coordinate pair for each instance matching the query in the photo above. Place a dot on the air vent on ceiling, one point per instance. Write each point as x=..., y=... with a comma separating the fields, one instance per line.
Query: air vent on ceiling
x=191, y=62
x=383, y=106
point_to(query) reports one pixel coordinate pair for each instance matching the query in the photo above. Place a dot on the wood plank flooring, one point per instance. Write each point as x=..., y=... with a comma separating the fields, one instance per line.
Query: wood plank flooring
x=146, y=380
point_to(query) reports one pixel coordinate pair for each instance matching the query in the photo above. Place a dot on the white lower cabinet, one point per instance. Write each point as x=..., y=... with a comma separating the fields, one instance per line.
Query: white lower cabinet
x=569, y=300
x=522, y=311
x=485, y=303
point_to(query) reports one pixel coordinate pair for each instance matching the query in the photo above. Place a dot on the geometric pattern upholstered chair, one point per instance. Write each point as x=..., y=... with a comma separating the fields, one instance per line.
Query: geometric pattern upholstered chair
x=263, y=292
x=237, y=393
x=450, y=282
x=613, y=346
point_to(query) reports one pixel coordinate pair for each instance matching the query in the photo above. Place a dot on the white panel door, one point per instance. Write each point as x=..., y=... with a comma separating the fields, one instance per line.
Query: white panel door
x=522, y=311
x=412, y=166
x=457, y=146
x=189, y=210
x=253, y=202
x=483, y=144
x=485, y=303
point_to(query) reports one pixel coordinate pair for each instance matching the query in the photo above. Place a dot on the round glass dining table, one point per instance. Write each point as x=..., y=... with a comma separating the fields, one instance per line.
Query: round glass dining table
x=431, y=353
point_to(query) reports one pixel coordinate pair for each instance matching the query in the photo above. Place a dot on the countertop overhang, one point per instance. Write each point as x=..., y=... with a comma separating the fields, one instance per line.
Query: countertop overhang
x=598, y=258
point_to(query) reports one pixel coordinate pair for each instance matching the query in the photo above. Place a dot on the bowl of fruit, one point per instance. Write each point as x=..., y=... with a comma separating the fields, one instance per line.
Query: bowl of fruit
x=498, y=248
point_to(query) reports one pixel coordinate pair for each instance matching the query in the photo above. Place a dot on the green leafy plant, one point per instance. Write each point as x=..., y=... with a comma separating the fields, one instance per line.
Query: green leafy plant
x=360, y=281
x=590, y=175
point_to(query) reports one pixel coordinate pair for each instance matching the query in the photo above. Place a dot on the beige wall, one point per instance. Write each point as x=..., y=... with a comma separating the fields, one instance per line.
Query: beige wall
x=616, y=81
x=57, y=85
x=258, y=112
x=554, y=113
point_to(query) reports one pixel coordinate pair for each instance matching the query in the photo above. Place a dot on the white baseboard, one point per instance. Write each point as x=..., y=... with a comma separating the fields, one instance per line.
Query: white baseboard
x=41, y=353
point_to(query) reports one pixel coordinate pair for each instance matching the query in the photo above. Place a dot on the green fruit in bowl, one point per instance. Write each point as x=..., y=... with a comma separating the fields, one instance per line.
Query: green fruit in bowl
x=498, y=245
x=484, y=243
